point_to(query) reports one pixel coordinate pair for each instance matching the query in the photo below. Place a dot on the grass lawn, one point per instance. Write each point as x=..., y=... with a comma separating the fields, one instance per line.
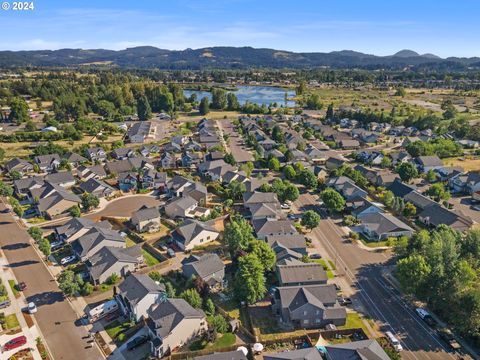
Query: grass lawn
x=11, y=321
x=230, y=307
x=129, y=242
x=355, y=320
x=116, y=328
x=374, y=244
x=326, y=267
x=225, y=340
x=467, y=164
x=14, y=288
x=150, y=260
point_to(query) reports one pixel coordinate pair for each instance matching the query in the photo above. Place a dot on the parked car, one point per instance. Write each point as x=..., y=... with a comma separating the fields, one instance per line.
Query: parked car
x=294, y=216
x=139, y=340
x=56, y=244
x=4, y=304
x=171, y=252
x=21, y=286
x=285, y=206
x=447, y=336
x=394, y=341
x=32, y=308
x=344, y=301
x=476, y=207
x=68, y=259
x=15, y=343
x=315, y=256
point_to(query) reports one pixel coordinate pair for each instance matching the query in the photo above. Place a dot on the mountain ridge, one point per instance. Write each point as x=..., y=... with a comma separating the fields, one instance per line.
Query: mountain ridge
x=228, y=58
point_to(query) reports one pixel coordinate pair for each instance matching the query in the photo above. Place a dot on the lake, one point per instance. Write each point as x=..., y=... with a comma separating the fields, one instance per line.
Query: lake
x=254, y=94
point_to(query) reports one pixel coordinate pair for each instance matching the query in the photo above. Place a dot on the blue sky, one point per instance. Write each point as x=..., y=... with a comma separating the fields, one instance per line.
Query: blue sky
x=442, y=27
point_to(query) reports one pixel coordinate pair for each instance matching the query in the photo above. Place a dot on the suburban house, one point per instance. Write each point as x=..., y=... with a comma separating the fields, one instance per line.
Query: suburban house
x=380, y=226
x=333, y=163
x=193, y=233
x=137, y=293
x=346, y=187
x=426, y=163
x=111, y=260
x=362, y=206
x=182, y=207
x=173, y=323
x=93, y=240
x=97, y=188
x=141, y=131
x=17, y=164
x=265, y=227
x=420, y=201
x=349, y=144
x=400, y=189
x=257, y=197
x=152, y=179
x=304, y=274
x=268, y=210
x=74, y=159
x=215, y=170
x=77, y=227
x=146, y=219
x=168, y=161
x=208, y=267
x=47, y=163
x=123, y=153
x=436, y=214
x=64, y=179
x=127, y=181
x=91, y=172
x=24, y=186
x=57, y=203
x=361, y=350
x=295, y=242
x=301, y=354
x=308, y=306
x=180, y=186
x=466, y=183
x=96, y=154
x=147, y=150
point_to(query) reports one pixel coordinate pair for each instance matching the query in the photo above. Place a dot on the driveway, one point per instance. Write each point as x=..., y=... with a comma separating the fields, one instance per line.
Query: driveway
x=55, y=317
x=464, y=204
x=124, y=206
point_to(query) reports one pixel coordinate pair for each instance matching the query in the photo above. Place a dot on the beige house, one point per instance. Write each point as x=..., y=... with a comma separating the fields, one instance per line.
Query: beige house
x=146, y=219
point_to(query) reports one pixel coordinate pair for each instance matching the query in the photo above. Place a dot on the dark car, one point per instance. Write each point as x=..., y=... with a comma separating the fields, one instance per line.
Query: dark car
x=447, y=336
x=315, y=256
x=430, y=321
x=345, y=301
x=21, y=286
x=139, y=340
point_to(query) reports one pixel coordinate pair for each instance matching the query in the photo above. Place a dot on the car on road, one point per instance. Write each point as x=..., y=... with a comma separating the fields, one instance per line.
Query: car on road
x=447, y=336
x=394, y=341
x=315, y=256
x=4, y=304
x=139, y=340
x=343, y=301
x=425, y=316
x=68, y=259
x=15, y=343
x=32, y=308
x=21, y=286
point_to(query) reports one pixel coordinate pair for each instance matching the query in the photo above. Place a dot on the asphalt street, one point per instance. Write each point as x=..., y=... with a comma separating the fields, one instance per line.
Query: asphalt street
x=362, y=270
x=56, y=319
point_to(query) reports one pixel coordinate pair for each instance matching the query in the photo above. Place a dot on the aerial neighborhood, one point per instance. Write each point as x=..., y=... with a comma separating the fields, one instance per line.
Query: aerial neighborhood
x=181, y=229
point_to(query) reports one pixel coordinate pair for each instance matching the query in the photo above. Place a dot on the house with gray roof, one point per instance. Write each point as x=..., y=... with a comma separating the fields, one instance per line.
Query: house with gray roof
x=23, y=186
x=357, y=350
x=74, y=159
x=97, y=188
x=91, y=172
x=301, y=274
x=182, y=207
x=436, y=214
x=47, y=163
x=123, y=153
x=380, y=226
x=141, y=131
x=96, y=154
x=64, y=179
x=294, y=242
x=300, y=354
x=137, y=293
x=146, y=219
x=268, y=210
x=420, y=201
x=267, y=226
x=111, y=260
x=308, y=306
x=466, y=183
x=180, y=186
x=193, y=233
x=53, y=200
x=173, y=323
x=426, y=163
x=77, y=227
x=95, y=239
x=208, y=267
x=17, y=164
x=258, y=197
x=400, y=189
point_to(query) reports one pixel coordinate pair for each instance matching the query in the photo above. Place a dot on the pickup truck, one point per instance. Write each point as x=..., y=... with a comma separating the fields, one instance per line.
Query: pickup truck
x=447, y=336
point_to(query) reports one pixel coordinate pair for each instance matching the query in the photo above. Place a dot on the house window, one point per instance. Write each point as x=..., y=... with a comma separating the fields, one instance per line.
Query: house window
x=305, y=321
x=304, y=313
x=317, y=321
x=317, y=312
x=201, y=240
x=208, y=237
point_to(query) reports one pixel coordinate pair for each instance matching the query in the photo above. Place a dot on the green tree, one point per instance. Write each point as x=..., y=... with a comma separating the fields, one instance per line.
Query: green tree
x=219, y=99
x=407, y=171
x=204, y=106
x=36, y=233
x=250, y=279
x=289, y=172
x=290, y=193
x=264, y=253
x=274, y=164
x=330, y=114
x=18, y=110
x=333, y=200
x=90, y=201
x=308, y=178
x=44, y=247
x=5, y=190
x=277, y=134
x=412, y=272
x=113, y=279
x=247, y=167
x=236, y=190
x=400, y=91
x=232, y=102
x=144, y=110
x=75, y=211
x=386, y=162
x=438, y=192
x=67, y=282
x=409, y=210
x=430, y=176
x=170, y=290
x=238, y=234
x=219, y=323
x=229, y=159
x=209, y=307
x=87, y=289
x=14, y=175
x=192, y=297
x=310, y=219
x=388, y=198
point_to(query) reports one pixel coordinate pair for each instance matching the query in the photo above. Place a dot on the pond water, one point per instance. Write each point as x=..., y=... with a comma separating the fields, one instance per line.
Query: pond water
x=254, y=94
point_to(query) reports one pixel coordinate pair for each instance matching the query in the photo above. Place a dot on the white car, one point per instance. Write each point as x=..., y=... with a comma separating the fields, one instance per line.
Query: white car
x=394, y=341
x=285, y=206
x=68, y=259
x=32, y=308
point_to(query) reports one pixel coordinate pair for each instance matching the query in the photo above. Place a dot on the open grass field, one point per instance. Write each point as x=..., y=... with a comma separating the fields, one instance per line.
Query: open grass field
x=467, y=164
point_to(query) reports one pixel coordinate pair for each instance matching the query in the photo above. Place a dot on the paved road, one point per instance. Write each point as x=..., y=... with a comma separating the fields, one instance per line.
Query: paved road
x=362, y=270
x=239, y=152
x=55, y=317
x=123, y=207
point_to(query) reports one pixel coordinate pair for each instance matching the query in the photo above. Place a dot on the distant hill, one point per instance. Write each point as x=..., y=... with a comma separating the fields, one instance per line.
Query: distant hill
x=227, y=58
